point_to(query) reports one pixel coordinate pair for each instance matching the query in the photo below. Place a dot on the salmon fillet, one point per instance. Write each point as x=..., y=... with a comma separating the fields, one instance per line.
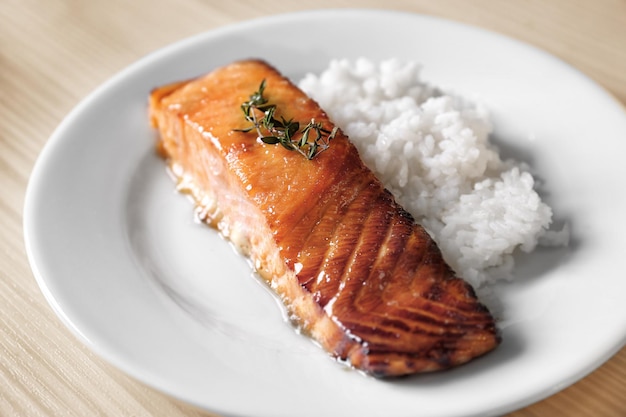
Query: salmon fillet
x=355, y=271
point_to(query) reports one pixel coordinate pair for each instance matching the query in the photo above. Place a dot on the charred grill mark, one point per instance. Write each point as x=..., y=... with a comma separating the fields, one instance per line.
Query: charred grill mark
x=343, y=245
x=427, y=317
x=368, y=297
x=374, y=231
x=432, y=360
x=318, y=245
x=436, y=346
x=454, y=313
x=407, y=326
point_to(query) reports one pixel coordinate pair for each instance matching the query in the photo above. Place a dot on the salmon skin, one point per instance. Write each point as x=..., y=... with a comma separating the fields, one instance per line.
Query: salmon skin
x=355, y=271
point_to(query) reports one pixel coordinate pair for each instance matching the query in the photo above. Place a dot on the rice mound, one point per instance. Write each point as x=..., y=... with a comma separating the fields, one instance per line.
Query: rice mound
x=432, y=151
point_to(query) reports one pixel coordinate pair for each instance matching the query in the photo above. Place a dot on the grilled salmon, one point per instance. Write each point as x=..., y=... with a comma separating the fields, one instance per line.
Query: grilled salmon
x=355, y=271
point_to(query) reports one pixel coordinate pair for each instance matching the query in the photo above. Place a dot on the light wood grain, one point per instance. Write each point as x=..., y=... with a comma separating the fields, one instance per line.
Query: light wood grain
x=53, y=53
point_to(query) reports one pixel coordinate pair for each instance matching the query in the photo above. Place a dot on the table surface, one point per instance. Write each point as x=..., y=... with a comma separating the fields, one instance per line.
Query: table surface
x=53, y=53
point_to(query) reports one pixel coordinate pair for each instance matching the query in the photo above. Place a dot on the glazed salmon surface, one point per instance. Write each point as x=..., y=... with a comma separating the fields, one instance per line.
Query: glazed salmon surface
x=355, y=271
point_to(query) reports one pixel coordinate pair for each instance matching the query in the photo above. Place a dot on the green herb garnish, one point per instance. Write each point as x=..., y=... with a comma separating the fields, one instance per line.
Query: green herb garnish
x=310, y=141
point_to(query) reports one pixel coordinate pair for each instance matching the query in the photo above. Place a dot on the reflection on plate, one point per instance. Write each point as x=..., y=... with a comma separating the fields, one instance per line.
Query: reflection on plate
x=120, y=258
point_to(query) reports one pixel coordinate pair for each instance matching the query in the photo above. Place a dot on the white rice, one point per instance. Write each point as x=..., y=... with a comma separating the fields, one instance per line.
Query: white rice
x=432, y=151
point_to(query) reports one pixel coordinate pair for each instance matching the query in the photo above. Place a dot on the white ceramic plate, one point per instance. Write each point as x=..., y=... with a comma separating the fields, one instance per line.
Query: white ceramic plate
x=119, y=257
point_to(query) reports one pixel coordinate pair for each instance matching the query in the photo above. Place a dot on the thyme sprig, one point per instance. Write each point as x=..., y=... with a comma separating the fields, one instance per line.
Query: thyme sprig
x=309, y=141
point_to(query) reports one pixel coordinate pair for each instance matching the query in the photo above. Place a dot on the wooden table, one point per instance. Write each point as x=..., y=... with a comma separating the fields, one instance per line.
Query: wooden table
x=53, y=53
